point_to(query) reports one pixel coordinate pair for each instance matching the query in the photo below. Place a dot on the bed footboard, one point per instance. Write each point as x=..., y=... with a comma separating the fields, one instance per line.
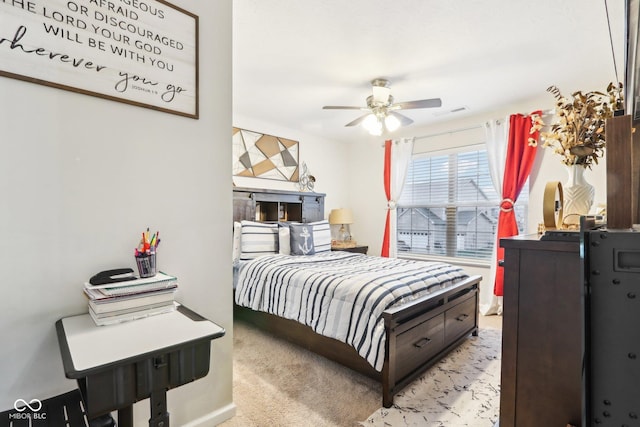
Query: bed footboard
x=421, y=332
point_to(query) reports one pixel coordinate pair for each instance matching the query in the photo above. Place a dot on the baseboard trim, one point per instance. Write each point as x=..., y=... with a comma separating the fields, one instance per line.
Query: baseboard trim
x=214, y=418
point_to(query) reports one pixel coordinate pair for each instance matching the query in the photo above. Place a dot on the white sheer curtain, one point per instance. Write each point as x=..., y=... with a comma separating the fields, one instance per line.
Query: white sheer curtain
x=497, y=132
x=401, y=152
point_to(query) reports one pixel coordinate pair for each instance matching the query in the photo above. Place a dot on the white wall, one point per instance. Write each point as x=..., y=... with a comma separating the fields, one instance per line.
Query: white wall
x=75, y=195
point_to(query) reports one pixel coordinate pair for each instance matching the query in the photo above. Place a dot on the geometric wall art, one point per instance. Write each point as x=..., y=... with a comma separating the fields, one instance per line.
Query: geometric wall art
x=264, y=156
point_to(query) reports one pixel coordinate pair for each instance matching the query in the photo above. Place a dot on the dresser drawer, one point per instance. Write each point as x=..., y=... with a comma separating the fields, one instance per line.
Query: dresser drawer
x=460, y=319
x=419, y=344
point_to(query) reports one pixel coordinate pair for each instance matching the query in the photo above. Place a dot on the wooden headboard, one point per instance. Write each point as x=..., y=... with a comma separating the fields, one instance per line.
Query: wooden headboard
x=277, y=205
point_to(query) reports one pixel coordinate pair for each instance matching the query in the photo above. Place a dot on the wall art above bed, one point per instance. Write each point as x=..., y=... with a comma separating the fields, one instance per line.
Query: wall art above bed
x=264, y=156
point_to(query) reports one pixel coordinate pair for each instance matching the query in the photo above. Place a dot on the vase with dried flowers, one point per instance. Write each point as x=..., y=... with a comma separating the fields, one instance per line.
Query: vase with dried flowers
x=578, y=136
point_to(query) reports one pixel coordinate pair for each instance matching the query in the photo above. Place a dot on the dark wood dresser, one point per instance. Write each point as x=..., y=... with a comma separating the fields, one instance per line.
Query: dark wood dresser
x=542, y=334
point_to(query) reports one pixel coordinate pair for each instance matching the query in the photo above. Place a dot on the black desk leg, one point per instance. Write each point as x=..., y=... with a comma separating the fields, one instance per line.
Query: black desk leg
x=125, y=417
x=159, y=414
x=103, y=421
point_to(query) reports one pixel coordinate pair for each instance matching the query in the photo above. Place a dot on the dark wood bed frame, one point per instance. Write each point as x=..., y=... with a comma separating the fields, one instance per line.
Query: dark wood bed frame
x=419, y=333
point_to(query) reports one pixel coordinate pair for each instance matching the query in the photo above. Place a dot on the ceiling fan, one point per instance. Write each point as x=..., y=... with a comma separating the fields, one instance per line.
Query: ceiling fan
x=382, y=111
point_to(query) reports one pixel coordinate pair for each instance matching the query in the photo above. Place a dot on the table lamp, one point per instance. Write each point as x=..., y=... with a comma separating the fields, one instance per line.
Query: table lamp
x=343, y=217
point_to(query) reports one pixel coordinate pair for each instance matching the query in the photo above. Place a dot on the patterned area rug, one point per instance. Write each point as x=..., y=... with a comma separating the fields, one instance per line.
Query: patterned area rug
x=462, y=390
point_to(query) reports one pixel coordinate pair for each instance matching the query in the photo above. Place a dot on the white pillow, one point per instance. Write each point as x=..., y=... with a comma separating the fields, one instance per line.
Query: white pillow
x=237, y=231
x=258, y=239
x=321, y=236
x=283, y=237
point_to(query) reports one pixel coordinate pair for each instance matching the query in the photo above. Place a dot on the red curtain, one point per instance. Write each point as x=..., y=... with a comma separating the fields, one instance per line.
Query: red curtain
x=520, y=157
x=387, y=191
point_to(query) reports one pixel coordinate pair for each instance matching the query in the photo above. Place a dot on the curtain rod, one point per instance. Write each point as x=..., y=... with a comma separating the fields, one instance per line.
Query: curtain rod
x=544, y=114
x=449, y=131
x=445, y=133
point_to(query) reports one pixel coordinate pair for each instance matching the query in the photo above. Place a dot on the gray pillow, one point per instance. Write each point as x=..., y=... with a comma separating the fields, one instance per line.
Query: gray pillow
x=301, y=239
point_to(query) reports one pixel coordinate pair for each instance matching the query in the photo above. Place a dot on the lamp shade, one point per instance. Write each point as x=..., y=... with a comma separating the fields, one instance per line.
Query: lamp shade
x=341, y=216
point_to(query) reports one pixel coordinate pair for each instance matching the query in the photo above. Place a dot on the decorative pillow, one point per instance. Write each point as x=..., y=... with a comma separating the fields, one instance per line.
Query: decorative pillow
x=321, y=236
x=258, y=239
x=237, y=231
x=301, y=239
x=284, y=238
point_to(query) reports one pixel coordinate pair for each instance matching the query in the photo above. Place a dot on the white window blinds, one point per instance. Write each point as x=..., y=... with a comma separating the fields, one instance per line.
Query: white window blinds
x=449, y=206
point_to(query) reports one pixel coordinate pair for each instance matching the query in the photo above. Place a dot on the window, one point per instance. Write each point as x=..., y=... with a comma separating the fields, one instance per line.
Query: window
x=449, y=207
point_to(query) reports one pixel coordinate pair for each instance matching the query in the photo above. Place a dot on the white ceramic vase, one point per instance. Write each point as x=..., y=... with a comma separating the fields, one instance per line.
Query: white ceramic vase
x=578, y=195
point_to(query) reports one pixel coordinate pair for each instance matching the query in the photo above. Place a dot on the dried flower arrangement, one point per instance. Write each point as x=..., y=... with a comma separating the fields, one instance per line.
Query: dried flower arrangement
x=578, y=134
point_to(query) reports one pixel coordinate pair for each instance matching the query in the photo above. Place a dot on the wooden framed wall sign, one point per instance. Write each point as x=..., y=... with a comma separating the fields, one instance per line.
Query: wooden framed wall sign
x=141, y=52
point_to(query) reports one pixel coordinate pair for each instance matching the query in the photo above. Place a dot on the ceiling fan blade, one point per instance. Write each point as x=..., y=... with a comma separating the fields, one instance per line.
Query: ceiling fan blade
x=341, y=107
x=423, y=103
x=404, y=120
x=357, y=121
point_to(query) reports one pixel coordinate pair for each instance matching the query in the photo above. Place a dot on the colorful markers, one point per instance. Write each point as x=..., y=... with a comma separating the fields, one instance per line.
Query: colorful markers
x=148, y=245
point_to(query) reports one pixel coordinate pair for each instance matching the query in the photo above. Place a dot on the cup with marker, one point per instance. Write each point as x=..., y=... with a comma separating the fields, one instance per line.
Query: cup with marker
x=145, y=254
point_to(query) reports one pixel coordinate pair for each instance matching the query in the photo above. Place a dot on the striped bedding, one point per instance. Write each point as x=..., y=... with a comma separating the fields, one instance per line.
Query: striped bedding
x=340, y=294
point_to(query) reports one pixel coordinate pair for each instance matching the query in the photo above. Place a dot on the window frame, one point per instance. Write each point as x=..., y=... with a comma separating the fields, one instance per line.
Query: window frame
x=452, y=253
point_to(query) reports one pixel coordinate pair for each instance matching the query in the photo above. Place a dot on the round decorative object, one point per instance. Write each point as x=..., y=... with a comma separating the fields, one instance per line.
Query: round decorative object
x=302, y=182
x=506, y=205
x=578, y=196
x=552, y=208
x=306, y=181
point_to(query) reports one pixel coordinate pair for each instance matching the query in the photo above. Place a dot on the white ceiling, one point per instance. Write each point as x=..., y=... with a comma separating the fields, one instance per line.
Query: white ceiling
x=291, y=57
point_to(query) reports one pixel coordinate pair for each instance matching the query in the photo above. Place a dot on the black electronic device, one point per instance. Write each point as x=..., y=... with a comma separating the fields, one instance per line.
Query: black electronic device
x=587, y=222
x=112, y=276
x=561, y=235
x=611, y=270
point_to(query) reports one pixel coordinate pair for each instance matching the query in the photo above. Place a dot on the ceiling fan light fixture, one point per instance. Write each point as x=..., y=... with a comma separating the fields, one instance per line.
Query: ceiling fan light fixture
x=392, y=123
x=381, y=94
x=372, y=124
x=383, y=110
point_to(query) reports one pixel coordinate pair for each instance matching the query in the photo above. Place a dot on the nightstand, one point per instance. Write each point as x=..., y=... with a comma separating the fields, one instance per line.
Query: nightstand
x=356, y=249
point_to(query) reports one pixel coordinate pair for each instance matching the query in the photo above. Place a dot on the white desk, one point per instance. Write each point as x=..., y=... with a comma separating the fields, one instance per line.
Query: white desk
x=121, y=364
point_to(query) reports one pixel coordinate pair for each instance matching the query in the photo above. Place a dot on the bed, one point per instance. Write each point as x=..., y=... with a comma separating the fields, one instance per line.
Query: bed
x=390, y=319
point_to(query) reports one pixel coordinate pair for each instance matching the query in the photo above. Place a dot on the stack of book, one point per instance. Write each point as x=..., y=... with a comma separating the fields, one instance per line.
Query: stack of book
x=130, y=300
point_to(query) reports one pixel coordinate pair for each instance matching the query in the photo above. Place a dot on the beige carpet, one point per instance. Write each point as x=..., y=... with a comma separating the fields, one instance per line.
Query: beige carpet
x=279, y=384
x=461, y=390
